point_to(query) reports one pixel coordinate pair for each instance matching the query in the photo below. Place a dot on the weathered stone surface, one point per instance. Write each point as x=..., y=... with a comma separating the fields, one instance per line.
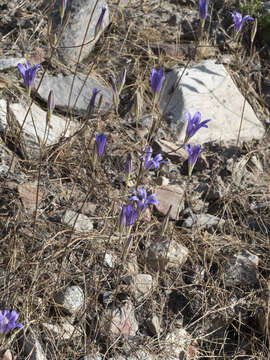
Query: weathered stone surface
x=28, y=194
x=73, y=35
x=63, y=331
x=34, y=126
x=242, y=270
x=142, y=285
x=6, y=64
x=170, y=195
x=203, y=220
x=171, y=150
x=32, y=347
x=166, y=253
x=208, y=88
x=153, y=325
x=122, y=320
x=61, y=86
x=178, y=344
x=71, y=300
x=83, y=222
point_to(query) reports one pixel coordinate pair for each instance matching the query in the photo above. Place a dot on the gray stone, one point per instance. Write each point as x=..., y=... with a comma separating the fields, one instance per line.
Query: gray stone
x=61, y=86
x=179, y=343
x=154, y=325
x=108, y=259
x=171, y=150
x=203, y=220
x=71, y=299
x=73, y=35
x=82, y=222
x=6, y=64
x=34, y=129
x=170, y=195
x=62, y=331
x=121, y=320
x=142, y=285
x=242, y=270
x=166, y=253
x=32, y=348
x=209, y=89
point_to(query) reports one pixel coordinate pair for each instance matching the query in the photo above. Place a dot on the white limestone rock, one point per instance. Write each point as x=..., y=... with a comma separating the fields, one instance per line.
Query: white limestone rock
x=207, y=87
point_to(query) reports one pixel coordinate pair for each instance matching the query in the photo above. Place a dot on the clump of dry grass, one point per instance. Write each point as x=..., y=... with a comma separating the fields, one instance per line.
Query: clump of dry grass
x=40, y=256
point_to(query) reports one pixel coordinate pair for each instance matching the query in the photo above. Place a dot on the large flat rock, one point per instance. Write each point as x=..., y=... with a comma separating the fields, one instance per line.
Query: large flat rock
x=208, y=88
x=73, y=35
x=34, y=129
x=61, y=86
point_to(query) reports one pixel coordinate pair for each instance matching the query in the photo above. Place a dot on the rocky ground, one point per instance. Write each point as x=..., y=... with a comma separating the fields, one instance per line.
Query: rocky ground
x=191, y=284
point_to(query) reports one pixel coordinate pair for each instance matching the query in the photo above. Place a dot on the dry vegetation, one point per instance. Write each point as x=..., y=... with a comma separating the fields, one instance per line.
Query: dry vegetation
x=40, y=255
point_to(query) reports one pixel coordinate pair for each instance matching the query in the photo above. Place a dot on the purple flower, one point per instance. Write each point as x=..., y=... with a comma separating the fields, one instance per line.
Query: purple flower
x=128, y=165
x=63, y=5
x=128, y=215
x=193, y=152
x=8, y=321
x=114, y=85
x=51, y=102
x=239, y=20
x=194, y=124
x=203, y=9
x=100, y=20
x=92, y=100
x=142, y=200
x=28, y=73
x=157, y=79
x=149, y=163
x=50, y=105
x=101, y=141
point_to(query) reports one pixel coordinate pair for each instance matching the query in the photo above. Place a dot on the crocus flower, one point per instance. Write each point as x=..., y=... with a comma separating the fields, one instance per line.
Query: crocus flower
x=8, y=321
x=239, y=20
x=50, y=105
x=203, y=9
x=157, y=79
x=142, y=200
x=101, y=141
x=150, y=163
x=193, y=152
x=63, y=5
x=100, y=20
x=128, y=165
x=194, y=124
x=92, y=101
x=28, y=73
x=128, y=215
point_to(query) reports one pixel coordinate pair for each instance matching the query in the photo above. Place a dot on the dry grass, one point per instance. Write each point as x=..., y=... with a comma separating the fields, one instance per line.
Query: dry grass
x=40, y=256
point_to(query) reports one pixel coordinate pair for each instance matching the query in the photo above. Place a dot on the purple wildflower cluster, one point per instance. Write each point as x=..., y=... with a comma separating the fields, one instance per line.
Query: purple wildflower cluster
x=28, y=73
x=101, y=142
x=149, y=162
x=238, y=19
x=193, y=125
x=141, y=201
x=8, y=321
